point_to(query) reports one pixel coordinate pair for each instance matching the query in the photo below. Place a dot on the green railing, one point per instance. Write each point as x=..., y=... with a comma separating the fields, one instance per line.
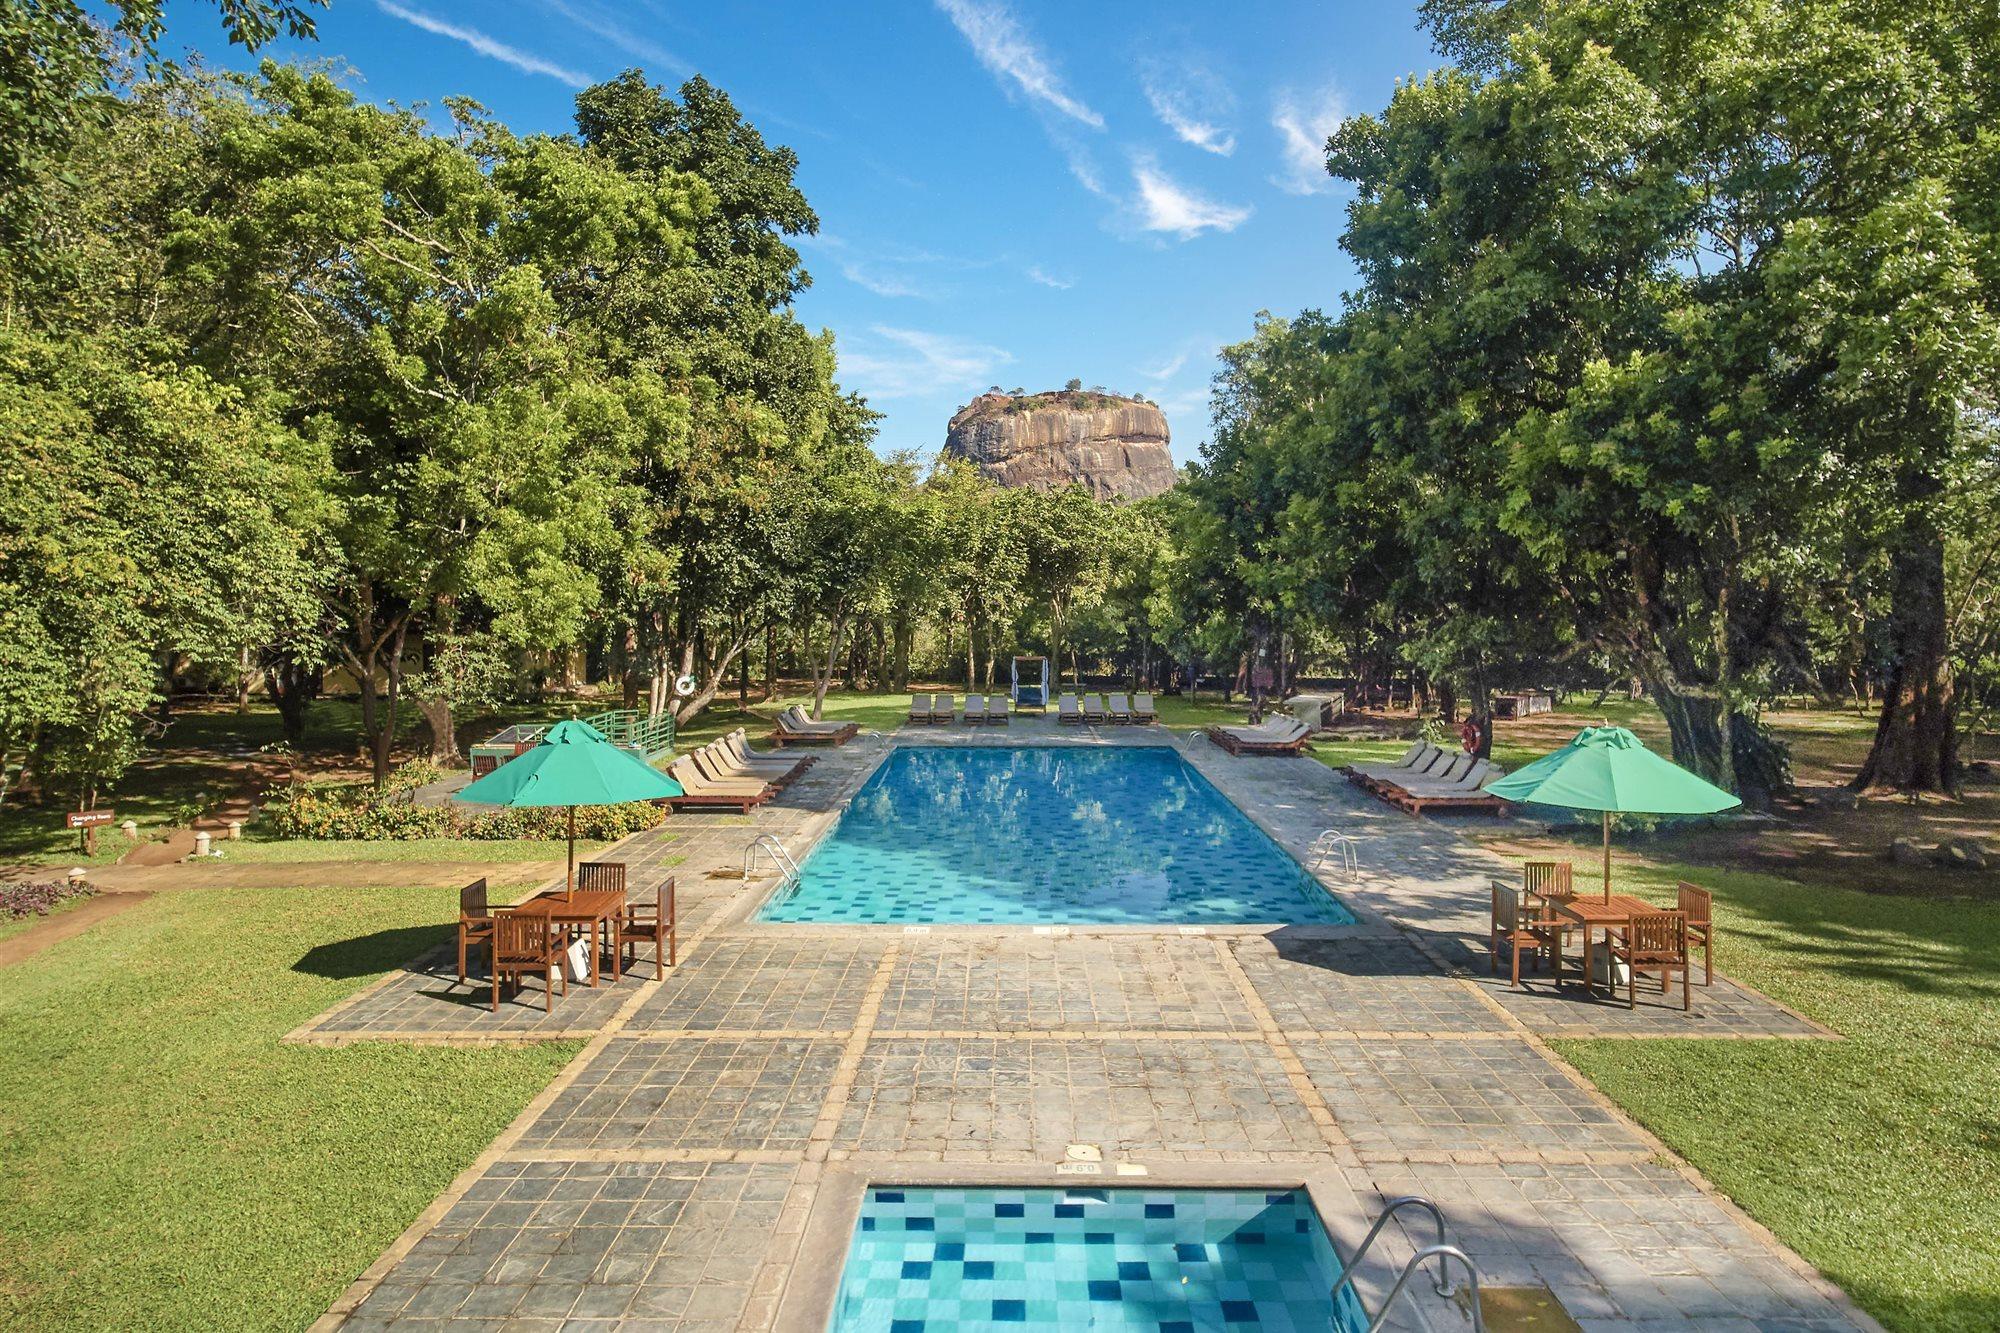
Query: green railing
x=650, y=736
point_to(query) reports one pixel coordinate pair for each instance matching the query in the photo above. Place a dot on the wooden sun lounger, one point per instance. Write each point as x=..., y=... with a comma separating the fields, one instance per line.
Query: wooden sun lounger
x=997, y=710
x=699, y=793
x=1119, y=711
x=737, y=743
x=1093, y=709
x=975, y=710
x=1466, y=792
x=1142, y=710
x=942, y=709
x=794, y=728
x=1263, y=739
x=1069, y=713
x=719, y=762
x=920, y=708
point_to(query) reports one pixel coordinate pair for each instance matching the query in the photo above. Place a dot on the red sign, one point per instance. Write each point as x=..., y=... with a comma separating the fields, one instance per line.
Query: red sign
x=89, y=818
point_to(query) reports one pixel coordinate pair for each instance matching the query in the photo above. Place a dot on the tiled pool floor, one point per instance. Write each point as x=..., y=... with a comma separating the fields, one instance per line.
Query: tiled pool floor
x=1163, y=1261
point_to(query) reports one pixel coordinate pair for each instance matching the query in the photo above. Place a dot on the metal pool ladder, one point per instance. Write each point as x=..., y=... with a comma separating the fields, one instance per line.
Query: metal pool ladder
x=1442, y=1251
x=788, y=869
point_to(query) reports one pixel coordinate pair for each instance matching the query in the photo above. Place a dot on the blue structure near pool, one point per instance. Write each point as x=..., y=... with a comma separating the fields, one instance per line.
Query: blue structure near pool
x=1167, y=1261
x=1049, y=835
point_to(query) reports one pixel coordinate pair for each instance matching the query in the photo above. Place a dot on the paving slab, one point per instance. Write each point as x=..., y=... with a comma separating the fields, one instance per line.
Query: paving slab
x=1019, y=982
x=760, y=984
x=691, y=1093
x=1359, y=985
x=572, y=1241
x=1014, y=1100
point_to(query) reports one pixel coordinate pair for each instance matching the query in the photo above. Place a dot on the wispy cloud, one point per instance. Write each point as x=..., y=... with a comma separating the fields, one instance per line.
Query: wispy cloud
x=1189, y=100
x=1006, y=49
x=1164, y=204
x=484, y=45
x=1303, y=124
x=1041, y=277
x=911, y=363
x=1167, y=369
x=593, y=20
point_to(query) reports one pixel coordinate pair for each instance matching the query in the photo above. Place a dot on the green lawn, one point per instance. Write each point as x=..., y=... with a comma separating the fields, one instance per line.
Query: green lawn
x=414, y=850
x=1877, y=1158
x=168, y=1164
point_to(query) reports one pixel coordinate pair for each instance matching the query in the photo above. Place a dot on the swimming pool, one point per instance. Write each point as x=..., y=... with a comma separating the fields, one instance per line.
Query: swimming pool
x=1169, y=1261
x=1048, y=835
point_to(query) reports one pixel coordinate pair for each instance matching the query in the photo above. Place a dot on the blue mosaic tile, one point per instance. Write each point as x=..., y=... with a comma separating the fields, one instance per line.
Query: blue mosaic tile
x=1045, y=834
x=1108, y=1259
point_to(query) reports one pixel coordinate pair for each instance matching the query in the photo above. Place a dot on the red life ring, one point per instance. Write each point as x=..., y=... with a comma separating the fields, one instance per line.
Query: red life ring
x=1468, y=736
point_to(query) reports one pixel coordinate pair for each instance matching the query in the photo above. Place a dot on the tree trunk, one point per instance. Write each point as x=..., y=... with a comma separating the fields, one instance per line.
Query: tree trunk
x=1916, y=734
x=1695, y=726
x=444, y=734
x=292, y=688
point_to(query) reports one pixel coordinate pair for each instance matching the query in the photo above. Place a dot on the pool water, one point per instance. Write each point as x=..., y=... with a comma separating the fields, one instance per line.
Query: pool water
x=1169, y=1261
x=1048, y=835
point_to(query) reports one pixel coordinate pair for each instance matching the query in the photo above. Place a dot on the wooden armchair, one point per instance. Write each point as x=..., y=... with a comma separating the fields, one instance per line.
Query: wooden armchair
x=1653, y=942
x=475, y=921
x=1698, y=906
x=1516, y=931
x=601, y=876
x=528, y=944
x=656, y=922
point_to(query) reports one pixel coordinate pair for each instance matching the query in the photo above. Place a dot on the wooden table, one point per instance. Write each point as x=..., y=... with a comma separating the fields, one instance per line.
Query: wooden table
x=1595, y=914
x=597, y=909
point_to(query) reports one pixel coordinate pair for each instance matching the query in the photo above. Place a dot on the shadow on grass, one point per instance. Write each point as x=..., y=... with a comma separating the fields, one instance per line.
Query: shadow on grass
x=365, y=955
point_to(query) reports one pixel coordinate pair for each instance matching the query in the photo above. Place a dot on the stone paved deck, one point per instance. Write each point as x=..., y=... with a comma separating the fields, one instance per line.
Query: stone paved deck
x=700, y=1164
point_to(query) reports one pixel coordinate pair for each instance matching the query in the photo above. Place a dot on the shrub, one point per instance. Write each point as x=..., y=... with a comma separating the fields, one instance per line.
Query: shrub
x=38, y=898
x=358, y=813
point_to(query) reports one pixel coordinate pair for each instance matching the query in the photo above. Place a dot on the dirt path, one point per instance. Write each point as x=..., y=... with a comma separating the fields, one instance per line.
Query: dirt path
x=62, y=925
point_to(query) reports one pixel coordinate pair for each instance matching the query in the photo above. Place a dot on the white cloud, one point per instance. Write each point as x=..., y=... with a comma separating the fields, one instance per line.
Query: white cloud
x=1189, y=101
x=1166, y=205
x=1006, y=49
x=1038, y=275
x=911, y=363
x=1303, y=124
x=1169, y=368
x=484, y=45
x=881, y=281
x=588, y=17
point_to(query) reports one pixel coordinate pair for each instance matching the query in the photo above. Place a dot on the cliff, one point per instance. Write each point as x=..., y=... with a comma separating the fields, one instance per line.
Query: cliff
x=1115, y=446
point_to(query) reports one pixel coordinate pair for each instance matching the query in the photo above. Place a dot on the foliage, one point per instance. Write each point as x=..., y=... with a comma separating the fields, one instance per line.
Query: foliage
x=351, y=812
x=39, y=898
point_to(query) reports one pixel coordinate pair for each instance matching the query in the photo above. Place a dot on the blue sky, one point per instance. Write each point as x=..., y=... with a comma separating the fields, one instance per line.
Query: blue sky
x=1010, y=192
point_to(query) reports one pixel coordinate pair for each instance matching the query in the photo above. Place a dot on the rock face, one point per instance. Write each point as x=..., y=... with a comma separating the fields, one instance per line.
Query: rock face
x=1115, y=446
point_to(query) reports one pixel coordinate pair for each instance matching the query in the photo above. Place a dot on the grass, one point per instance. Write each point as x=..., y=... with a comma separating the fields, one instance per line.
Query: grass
x=413, y=851
x=15, y=925
x=171, y=1165
x=1877, y=1157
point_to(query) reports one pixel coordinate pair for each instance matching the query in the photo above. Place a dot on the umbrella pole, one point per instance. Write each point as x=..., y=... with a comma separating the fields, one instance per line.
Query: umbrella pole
x=569, y=871
x=1607, y=856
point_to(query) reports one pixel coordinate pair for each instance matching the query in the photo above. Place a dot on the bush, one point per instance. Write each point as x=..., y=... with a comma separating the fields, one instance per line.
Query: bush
x=39, y=898
x=345, y=812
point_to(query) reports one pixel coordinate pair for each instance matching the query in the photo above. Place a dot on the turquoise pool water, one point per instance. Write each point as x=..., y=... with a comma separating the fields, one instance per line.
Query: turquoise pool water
x=1048, y=835
x=1168, y=1261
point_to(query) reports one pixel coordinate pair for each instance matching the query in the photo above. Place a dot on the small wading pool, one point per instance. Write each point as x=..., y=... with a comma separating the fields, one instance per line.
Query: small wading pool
x=1169, y=1261
x=1049, y=835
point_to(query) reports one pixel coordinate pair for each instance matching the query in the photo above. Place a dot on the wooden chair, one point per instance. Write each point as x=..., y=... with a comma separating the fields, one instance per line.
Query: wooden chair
x=601, y=876
x=1653, y=942
x=475, y=921
x=525, y=944
x=656, y=921
x=1698, y=906
x=1518, y=934
x=1547, y=879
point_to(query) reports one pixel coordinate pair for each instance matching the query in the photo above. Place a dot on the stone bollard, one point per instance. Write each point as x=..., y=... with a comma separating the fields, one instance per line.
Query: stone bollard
x=129, y=827
x=201, y=841
x=235, y=830
x=76, y=877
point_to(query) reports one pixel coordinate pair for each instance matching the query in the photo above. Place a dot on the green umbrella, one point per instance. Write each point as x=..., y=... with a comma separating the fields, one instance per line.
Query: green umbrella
x=573, y=764
x=1610, y=770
